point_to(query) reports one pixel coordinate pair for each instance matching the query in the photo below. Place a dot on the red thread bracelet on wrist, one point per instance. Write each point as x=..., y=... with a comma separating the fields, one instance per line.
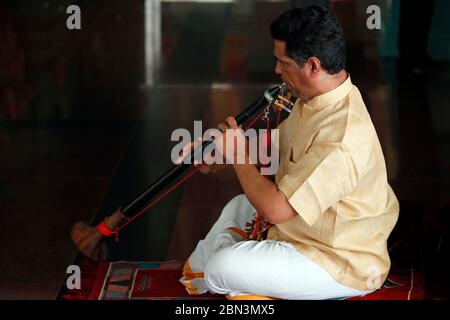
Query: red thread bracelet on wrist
x=106, y=231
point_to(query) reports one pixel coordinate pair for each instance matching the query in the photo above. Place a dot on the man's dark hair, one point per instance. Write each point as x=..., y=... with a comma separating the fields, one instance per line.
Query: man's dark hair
x=313, y=31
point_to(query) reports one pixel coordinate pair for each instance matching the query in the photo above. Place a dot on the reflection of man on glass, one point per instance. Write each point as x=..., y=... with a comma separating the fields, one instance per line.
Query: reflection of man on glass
x=414, y=29
x=330, y=209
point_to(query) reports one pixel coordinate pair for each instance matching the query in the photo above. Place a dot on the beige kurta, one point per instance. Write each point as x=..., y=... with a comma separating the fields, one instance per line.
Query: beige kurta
x=333, y=172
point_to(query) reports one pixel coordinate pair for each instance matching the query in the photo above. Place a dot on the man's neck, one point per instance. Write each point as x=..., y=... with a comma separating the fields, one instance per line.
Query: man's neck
x=330, y=82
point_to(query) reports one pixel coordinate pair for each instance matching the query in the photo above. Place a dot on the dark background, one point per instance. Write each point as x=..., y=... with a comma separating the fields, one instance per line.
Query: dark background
x=85, y=121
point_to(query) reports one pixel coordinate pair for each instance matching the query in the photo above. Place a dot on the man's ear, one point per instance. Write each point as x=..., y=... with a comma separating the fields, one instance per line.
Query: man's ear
x=315, y=65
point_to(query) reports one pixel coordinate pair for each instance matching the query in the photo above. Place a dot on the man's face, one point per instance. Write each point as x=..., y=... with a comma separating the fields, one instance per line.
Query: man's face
x=289, y=71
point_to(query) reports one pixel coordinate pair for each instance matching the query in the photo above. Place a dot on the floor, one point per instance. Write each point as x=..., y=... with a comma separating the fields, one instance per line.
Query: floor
x=86, y=120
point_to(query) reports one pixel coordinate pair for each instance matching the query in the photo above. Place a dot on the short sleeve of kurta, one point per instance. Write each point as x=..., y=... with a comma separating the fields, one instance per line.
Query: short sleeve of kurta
x=318, y=180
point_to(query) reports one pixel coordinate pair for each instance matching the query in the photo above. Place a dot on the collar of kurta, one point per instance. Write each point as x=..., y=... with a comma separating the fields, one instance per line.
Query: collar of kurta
x=330, y=97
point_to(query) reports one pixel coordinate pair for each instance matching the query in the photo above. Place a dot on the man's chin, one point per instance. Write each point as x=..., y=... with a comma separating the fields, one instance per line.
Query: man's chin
x=291, y=89
x=294, y=92
x=288, y=86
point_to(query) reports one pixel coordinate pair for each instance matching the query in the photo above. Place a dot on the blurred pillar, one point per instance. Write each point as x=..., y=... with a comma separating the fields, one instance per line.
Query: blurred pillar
x=152, y=40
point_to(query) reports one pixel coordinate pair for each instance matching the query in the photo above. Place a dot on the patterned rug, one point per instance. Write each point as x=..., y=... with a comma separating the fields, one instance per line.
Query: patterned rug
x=123, y=280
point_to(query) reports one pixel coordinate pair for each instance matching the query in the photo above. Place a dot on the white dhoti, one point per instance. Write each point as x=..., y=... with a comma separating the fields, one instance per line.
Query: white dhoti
x=225, y=262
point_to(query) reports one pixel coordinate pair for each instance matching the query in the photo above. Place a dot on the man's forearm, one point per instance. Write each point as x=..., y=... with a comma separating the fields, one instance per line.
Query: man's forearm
x=262, y=193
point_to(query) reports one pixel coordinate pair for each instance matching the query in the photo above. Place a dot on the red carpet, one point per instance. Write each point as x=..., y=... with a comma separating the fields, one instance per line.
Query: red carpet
x=159, y=280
